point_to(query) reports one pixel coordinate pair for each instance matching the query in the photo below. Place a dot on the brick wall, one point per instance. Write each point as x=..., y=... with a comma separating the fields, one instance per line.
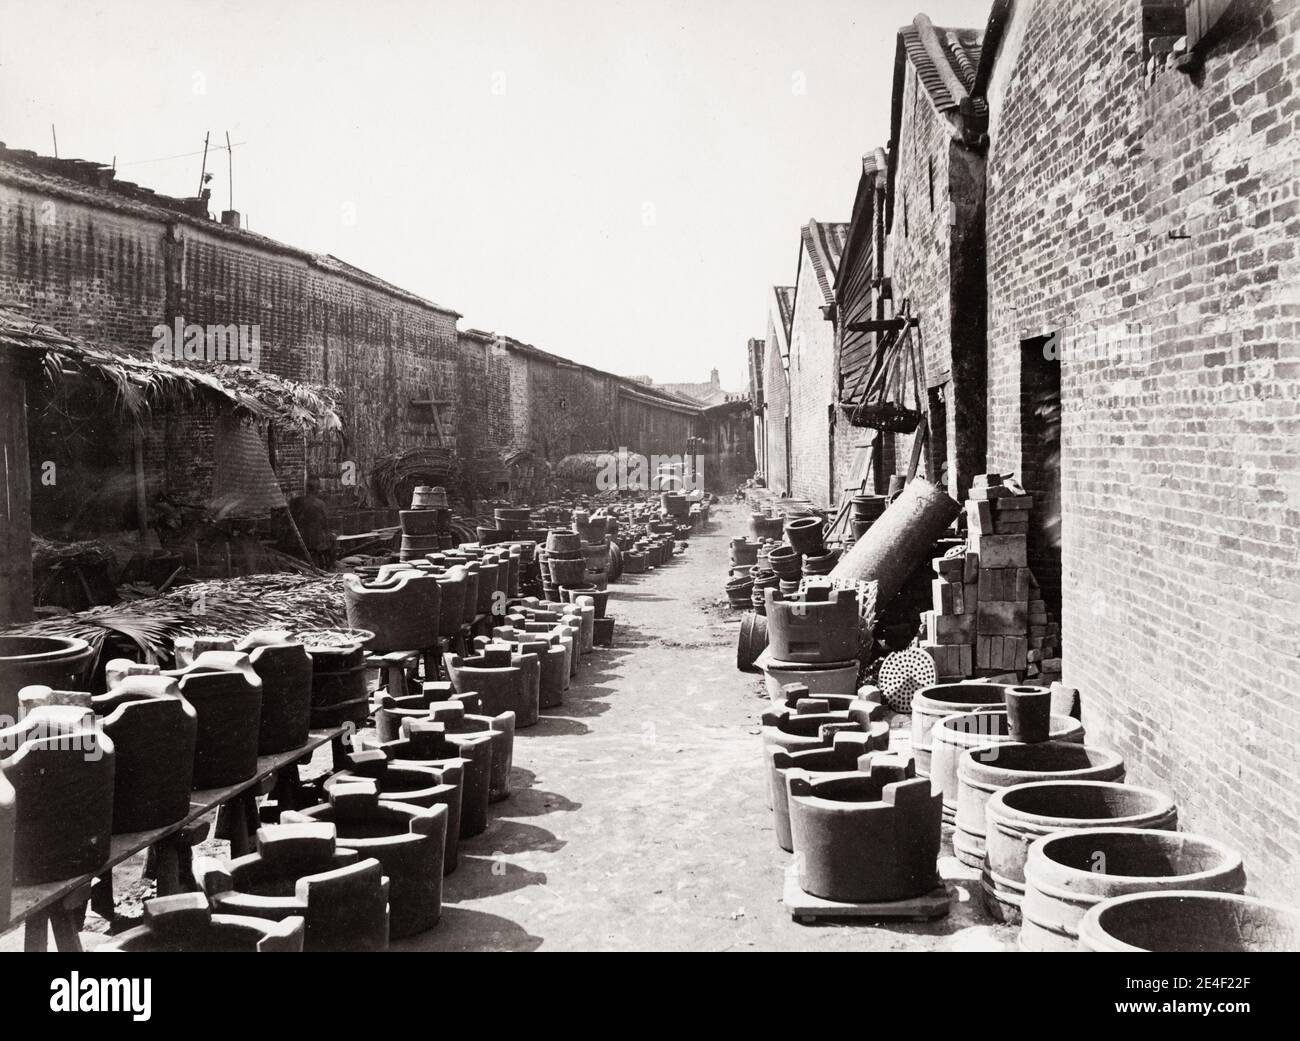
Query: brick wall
x=934, y=258
x=1153, y=227
x=812, y=389
x=776, y=395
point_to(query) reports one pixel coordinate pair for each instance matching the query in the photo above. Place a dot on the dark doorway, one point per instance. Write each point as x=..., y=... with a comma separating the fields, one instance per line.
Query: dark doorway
x=1040, y=460
x=937, y=439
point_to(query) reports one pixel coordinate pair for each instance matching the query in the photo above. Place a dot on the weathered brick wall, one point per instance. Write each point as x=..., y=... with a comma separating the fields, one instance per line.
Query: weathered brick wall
x=812, y=389
x=776, y=392
x=934, y=256
x=1154, y=228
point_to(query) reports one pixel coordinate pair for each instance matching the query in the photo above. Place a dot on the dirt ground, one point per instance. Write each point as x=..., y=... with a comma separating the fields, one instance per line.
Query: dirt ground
x=638, y=819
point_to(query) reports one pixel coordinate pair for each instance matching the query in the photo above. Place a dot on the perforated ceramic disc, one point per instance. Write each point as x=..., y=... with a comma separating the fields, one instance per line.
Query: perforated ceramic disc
x=902, y=674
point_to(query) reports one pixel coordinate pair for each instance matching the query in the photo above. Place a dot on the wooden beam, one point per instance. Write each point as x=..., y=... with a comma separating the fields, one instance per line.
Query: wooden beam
x=883, y=325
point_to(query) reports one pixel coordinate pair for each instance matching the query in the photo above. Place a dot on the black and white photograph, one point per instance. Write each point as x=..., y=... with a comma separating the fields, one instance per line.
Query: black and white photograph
x=672, y=476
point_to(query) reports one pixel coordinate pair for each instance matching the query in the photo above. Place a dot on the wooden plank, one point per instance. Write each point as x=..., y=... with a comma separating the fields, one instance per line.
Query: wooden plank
x=804, y=907
x=32, y=900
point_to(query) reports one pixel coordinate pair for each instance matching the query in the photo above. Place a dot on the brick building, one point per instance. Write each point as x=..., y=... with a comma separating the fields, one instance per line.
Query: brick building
x=815, y=446
x=1143, y=215
x=774, y=462
x=110, y=261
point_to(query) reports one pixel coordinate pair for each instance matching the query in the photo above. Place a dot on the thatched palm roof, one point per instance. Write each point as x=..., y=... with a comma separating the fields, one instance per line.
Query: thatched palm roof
x=142, y=384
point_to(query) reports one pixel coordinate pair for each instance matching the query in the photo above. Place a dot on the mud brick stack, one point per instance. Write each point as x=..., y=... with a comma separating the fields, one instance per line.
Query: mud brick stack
x=988, y=617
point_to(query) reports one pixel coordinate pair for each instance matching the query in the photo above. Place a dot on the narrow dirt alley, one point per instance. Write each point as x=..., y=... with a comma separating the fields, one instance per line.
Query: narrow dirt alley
x=638, y=819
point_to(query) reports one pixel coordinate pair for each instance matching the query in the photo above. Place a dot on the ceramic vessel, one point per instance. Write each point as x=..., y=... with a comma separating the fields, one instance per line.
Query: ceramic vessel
x=227, y=697
x=185, y=923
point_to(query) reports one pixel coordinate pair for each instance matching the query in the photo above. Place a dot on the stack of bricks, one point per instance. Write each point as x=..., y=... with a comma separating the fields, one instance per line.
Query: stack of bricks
x=988, y=617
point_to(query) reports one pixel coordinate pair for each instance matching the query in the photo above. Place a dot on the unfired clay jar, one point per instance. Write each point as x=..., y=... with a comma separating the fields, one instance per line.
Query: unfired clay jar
x=414, y=783
x=1189, y=922
x=1066, y=874
x=62, y=771
x=1016, y=817
x=402, y=611
x=407, y=840
x=982, y=771
x=821, y=625
x=841, y=755
x=285, y=669
x=185, y=923
x=227, y=696
x=299, y=871
x=865, y=836
x=427, y=744
x=155, y=732
x=501, y=678
x=62, y=663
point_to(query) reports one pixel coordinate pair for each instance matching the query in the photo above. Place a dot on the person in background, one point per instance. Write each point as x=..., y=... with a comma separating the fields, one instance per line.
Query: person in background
x=312, y=517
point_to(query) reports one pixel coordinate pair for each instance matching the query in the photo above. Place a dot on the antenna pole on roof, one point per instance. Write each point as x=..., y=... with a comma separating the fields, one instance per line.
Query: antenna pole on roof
x=230, y=155
x=203, y=173
x=54, y=134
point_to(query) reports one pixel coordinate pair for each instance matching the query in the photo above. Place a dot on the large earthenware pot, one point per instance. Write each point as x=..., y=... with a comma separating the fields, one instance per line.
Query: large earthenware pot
x=1189, y=922
x=58, y=662
x=1067, y=874
x=933, y=703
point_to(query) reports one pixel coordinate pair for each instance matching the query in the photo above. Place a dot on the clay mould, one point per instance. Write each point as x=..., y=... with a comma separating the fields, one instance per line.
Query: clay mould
x=227, y=697
x=285, y=669
x=413, y=783
x=61, y=770
x=426, y=743
x=505, y=681
x=8, y=818
x=185, y=923
x=60, y=662
x=819, y=625
x=155, y=732
x=402, y=610
x=407, y=840
x=841, y=755
x=865, y=836
x=299, y=871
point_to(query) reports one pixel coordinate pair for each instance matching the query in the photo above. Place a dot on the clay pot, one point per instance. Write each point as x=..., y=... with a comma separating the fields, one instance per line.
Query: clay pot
x=1015, y=817
x=956, y=733
x=499, y=729
x=298, y=870
x=840, y=756
x=8, y=818
x=786, y=562
x=752, y=640
x=285, y=669
x=227, y=696
x=835, y=679
x=426, y=497
x=418, y=522
x=563, y=542
x=155, y=733
x=867, y=508
x=185, y=923
x=805, y=534
x=1188, y=922
x=820, y=625
x=58, y=662
x=401, y=611
x=554, y=659
x=427, y=744
x=981, y=771
x=407, y=840
x=933, y=703
x=1067, y=874
x=413, y=783
x=599, y=598
x=1029, y=711
x=866, y=836
x=452, y=584
x=61, y=770
x=762, y=526
x=566, y=572
x=744, y=552
x=338, y=682
x=505, y=681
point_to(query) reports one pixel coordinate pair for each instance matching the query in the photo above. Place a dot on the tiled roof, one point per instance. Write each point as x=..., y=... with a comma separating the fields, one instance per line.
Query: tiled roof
x=945, y=60
x=825, y=245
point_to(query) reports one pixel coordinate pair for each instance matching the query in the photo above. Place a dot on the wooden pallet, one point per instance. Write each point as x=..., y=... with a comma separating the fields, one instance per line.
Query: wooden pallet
x=804, y=907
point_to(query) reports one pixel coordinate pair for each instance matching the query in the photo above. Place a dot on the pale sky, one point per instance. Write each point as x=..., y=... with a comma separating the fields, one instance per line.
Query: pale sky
x=615, y=182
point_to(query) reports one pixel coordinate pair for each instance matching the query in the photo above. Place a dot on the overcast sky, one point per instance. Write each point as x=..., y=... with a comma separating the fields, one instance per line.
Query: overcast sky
x=616, y=182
